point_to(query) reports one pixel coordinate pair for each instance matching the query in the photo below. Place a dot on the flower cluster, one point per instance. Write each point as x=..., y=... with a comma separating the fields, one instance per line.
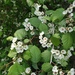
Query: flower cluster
x=63, y=54
x=18, y=46
x=28, y=71
x=28, y=26
x=44, y=41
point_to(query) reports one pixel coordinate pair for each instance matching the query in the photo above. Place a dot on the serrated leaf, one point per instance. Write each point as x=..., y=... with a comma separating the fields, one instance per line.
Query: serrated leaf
x=67, y=40
x=46, y=67
x=15, y=69
x=43, y=27
x=35, y=21
x=12, y=53
x=35, y=66
x=46, y=56
x=35, y=54
x=20, y=34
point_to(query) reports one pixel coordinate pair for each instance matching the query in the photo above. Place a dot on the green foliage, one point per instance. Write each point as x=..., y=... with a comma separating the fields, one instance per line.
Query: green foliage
x=26, y=40
x=55, y=40
x=27, y=55
x=35, y=54
x=35, y=21
x=20, y=34
x=46, y=56
x=43, y=27
x=12, y=53
x=67, y=40
x=55, y=17
x=46, y=67
x=15, y=69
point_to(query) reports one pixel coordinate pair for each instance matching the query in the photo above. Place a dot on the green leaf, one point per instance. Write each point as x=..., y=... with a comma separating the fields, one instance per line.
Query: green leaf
x=27, y=55
x=49, y=12
x=35, y=21
x=55, y=41
x=15, y=69
x=35, y=54
x=56, y=35
x=46, y=67
x=12, y=53
x=67, y=41
x=63, y=63
x=57, y=15
x=46, y=56
x=1, y=33
x=35, y=66
x=20, y=34
x=26, y=40
x=43, y=27
x=10, y=38
x=30, y=2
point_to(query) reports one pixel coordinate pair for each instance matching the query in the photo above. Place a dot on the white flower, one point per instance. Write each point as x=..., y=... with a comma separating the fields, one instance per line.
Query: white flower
x=37, y=6
x=28, y=24
x=65, y=12
x=71, y=14
x=42, y=33
x=19, y=49
x=49, y=45
x=19, y=43
x=24, y=24
x=38, y=13
x=33, y=73
x=41, y=41
x=69, y=10
x=73, y=3
x=72, y=71
x=70, y=29
x=40, y=37
x=41, y=18
x=43, y=45
x=25, y=47
x=61, y=72
x=14, y=40
x=31, y=27
x=19, y=60
x=61, y=56
x=45, y=39
x=26, y=20
x=53, y=51
x=28, y=70
x=32, y=32
x=63, y=51
x=13, y=45
x=26, y=28
x=55, y=69
x=69, y=54
x=62, y=29
x=72, y=48
x=50, y=25
x=57, y=52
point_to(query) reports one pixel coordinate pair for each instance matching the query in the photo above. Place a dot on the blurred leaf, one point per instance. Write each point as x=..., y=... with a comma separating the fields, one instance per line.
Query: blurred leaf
x=12, y=53
x=46, y=67
x=9, y=38
x=15, y=69
x=43, y=27
x=46, y=56
x=20, y=34
x=35, y=21
x=35, y=54
x=26, y=55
